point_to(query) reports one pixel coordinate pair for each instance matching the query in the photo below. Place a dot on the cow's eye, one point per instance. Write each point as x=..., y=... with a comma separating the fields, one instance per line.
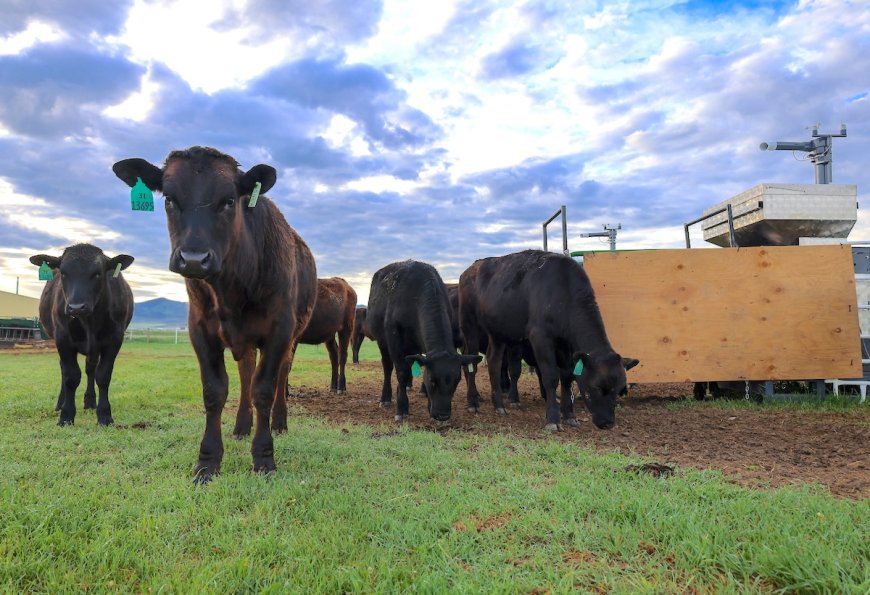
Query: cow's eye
x=170, y=202
x=228, y=203
x=96, y=275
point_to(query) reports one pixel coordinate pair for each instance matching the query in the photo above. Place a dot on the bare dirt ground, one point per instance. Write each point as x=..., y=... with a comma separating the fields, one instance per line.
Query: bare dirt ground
x=758, y=448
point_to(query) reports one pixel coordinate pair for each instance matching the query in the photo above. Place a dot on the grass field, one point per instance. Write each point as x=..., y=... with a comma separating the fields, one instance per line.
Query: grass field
x=374, y=509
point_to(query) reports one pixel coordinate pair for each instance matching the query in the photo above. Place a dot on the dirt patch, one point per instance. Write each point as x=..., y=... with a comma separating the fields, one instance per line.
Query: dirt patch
x=758, y=448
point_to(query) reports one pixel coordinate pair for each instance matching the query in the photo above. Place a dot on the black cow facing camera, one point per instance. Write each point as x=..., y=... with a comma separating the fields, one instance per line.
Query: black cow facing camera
x=409, y=317
x=85, y=308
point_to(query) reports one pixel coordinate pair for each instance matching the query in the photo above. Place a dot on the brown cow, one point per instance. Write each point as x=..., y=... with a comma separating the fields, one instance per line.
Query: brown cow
x=250, y=278
x=334, y=314
x=359, y=332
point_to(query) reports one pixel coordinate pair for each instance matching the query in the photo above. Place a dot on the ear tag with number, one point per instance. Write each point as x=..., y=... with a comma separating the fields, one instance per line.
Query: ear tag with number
x=117, y=270
x=45, y=273
x=255, y=195
x=415, y=369
x=141, y=198
x=578, y=369
x=471, y=368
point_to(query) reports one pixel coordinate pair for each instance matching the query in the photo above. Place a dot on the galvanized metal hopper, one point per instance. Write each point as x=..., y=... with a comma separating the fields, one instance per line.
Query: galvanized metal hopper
x=780, y=214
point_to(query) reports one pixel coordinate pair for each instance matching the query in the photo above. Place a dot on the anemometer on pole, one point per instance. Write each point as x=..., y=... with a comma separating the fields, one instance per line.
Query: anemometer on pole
x=819, y=149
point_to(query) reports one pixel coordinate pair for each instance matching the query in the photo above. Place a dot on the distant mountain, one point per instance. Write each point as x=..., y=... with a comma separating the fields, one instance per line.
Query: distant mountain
x=159, y=313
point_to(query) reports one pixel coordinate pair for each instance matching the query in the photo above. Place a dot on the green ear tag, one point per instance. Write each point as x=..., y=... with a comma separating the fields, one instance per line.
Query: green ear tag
x=471, y=368
x=255, y=195
x=578, y=369
x=141, y=198
x=415, y=369
x=117, y=270
x=45, y=273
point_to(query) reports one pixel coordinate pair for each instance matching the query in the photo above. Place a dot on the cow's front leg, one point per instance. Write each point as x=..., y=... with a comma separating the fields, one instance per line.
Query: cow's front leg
x=343, y=340
x=245, y=415
x=567, y=397
x=471, y=347
x=548, y=375
x=215, y=386
x=332, y=350
x=268, y=385
x=90, y=394
x=494, y=355
x=403, y=377
x=279, y=402
x=71, y=376
x=103, y=376
x=387, y=364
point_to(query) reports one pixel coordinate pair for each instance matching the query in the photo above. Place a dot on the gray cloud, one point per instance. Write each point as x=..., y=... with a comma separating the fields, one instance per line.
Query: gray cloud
x=79, y=18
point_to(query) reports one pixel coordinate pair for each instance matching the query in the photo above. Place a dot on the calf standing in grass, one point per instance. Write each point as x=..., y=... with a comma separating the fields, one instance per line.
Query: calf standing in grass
x=359, y=334
x=547, y=300
x=85, y=308
x=334, y=314
x=250, y=278
x=409, y=317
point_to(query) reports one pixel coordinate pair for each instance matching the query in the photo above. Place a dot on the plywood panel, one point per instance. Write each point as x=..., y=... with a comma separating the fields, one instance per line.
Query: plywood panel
x=769, y=313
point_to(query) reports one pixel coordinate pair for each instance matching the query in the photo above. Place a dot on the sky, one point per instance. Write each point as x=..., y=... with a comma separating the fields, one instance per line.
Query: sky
x=440, y=131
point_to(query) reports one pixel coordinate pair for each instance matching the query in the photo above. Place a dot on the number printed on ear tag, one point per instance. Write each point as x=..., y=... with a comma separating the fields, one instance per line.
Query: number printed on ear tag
x=117, y=270
x=141, y=198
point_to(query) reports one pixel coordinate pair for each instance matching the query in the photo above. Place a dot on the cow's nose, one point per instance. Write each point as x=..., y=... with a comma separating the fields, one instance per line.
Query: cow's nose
x=194, y=264
x=77, y=309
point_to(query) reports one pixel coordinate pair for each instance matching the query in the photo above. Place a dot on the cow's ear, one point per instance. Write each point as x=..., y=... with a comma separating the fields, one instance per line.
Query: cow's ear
x=629, y=363
x=124, y=260
x=584, y=357
x=264, y=174
x=130, y=169
x=470, y=359
x=38, y=259
x=420, y=358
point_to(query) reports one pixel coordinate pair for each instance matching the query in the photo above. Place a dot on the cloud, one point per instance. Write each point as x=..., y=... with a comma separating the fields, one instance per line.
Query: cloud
x=56, y=90
x=81, y=18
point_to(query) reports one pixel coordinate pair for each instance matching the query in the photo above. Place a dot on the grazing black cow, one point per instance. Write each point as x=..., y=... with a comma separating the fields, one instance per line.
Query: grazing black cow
x=85, y=308
x=250, y=278
x=546, y=299
x=334, y=314
x=409, y=317
x=358, y=332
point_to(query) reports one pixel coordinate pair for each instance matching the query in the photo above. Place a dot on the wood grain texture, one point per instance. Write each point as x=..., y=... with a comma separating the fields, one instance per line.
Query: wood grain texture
x=767, y=313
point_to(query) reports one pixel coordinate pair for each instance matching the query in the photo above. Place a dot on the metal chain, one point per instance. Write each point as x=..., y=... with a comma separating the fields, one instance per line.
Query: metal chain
x=746, y=396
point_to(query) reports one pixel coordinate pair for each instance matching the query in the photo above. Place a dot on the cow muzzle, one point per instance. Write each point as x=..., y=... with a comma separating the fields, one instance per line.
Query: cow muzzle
x=196, y=265
x=77, y=310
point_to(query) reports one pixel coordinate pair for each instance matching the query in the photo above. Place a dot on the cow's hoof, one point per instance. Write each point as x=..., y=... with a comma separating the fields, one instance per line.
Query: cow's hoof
x=572, y=421
x=90, y=403
x=473, y=409
x=278, y=429
x=264, y=466
x=240, y=433
x=553, y=428
x=515, y=404
x=203, y=474
x=386, y=404
x=500, y=411
x=105, y=421
x=402, y=417
x=63, y=421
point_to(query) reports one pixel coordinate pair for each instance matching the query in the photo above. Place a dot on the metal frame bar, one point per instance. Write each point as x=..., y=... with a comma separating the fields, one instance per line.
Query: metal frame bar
x=564, y=213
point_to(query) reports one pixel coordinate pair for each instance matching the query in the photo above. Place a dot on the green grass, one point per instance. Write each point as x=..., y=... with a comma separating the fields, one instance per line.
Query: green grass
x=362, y=509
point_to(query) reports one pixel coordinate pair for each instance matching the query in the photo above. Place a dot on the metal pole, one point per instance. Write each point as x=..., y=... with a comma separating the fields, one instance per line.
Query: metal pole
x=545, y=235
x=732, y=239
x=564, y=230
